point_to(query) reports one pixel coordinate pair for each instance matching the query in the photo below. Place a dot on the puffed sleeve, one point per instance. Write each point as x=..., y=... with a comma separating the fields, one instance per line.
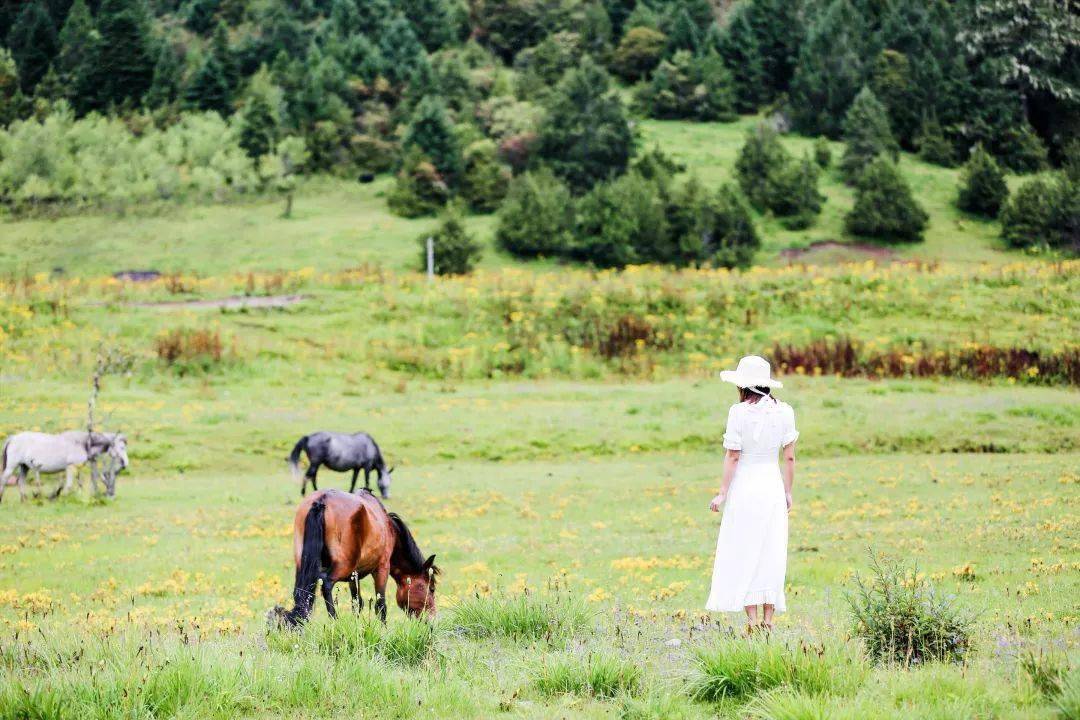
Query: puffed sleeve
x=790, y=433
x=733, y=433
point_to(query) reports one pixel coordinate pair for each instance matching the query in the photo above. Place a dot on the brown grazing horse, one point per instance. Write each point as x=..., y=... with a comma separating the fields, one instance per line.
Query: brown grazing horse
x=340, y=536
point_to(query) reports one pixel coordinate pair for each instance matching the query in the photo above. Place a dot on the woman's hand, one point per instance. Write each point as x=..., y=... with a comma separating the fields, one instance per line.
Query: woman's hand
x=717, y=502
x=790, y=502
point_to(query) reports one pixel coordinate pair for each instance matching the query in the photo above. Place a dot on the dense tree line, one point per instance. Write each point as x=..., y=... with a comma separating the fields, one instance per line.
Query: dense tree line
x=469, y=100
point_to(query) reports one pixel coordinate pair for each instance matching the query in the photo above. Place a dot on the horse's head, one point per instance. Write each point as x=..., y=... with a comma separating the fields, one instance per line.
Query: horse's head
x=384, y=483
x=416, y=591
x=278, y=618
x=118, y=451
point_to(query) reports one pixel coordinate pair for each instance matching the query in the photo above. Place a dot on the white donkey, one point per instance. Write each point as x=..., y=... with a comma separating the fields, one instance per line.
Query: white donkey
x=45, y=453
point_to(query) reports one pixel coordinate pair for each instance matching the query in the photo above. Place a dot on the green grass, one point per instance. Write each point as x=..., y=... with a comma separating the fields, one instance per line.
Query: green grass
x=340, y=223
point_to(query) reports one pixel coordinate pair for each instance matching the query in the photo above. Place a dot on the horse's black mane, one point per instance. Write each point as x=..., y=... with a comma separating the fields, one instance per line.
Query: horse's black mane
x=406, y=550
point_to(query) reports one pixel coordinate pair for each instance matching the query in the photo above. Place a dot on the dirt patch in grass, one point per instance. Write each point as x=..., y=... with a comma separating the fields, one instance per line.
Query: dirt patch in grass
x=236, y=302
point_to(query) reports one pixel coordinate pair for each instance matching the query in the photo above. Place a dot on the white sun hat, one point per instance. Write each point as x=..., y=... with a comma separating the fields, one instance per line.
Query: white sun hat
x=752, y=371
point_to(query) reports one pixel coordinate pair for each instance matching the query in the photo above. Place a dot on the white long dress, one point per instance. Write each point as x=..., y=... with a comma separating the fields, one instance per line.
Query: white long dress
x=751, y=552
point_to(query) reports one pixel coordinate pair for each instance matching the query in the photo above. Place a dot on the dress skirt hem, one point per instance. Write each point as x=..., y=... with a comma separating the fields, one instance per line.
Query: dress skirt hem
x=755, y=597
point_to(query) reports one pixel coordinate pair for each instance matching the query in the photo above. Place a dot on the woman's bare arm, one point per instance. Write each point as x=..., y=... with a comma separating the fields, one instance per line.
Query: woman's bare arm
x=731, y=460
x=788, y=470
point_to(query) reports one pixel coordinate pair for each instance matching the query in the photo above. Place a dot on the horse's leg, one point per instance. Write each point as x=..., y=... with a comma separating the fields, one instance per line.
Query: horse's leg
x=37, y=483
x=328, y=595
x=22, y=483
x=355, y=473
x=367, y=479
x=312, y=473
x=64, y=483
x=380, y=578
x=93, y=476
x=354, y=591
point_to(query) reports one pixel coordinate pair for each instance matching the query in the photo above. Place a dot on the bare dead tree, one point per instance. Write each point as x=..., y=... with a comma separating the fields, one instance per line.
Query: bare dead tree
x=110, y=361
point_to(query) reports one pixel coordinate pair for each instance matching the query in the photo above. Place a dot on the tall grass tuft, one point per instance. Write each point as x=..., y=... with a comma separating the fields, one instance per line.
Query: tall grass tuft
x=787, y=705
x=528, y=616
x=902, y=619
x=1067, y=703
x=740, y=668
x=599, y=674
x=408, y=642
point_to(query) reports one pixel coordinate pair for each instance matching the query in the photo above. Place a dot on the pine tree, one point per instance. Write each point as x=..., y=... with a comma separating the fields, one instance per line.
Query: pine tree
x=891, y=82
x=537, y=217
x=10, y=95
x=219, y=46
x=585, y=135
x=982, y=185
x=122, y=66
x=168, y=71
x=884, y=206
x=401, y=50
x=760, y=159
x=33, y=43
x=77, y=39
x=684, y=33
x=456, y=252
x=199, y=15
x=831, y=69
x=259, y=123
x=730, y=239
x=431, y=20
x=208, y=89
x=432, y=133
x=779, y=30
x=738, y=46
x=866, y=135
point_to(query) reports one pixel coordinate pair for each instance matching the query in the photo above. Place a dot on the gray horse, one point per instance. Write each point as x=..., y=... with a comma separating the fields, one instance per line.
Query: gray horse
x=341, y=452
x=44, y=453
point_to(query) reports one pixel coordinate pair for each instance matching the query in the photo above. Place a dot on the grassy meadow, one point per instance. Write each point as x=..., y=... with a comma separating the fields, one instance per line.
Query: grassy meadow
x=341, y=223
x=556, y=434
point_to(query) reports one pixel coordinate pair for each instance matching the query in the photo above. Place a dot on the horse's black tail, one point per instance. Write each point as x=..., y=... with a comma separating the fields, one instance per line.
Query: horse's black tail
x=294, y=456
x=310, y=567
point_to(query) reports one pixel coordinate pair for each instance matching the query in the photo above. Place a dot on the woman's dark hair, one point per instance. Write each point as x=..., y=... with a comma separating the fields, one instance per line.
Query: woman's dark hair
x=748, y=394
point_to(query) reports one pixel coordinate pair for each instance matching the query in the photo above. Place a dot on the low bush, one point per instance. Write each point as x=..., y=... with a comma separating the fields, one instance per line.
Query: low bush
x=982, y=185
x=188, y=350
x=485, y=179
x=884, y=206
x=901, y=618
x=528, y=616
x=1044, y=213
x=537, y=217
x=774, y=181
x=420, y=188
x=456, y=252
x=598, y=674
x=933, y=146
x=638, y=53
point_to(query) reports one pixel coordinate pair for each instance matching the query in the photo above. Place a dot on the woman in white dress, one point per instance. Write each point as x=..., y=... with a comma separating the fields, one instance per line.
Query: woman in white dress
x=751, y=552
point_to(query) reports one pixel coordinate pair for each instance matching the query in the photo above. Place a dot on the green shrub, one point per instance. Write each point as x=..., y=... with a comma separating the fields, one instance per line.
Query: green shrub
x=697, y=87
x=620, y=223
x=982, y=185
x=599, y=674
x=485, y=181
x=585, y=136
x=1022, y=150
x=527, y=616
x=638, y=53
x=537, y=217
x=728, y=234
x=1043, y=213
x=431, y=131
x=419, y=188
x=902, y=619
x=794, y=196
x=933, y=146
x=867, y=135
x=822, y=152
x=760, y=159
x=884, y=207
x=456, y=252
